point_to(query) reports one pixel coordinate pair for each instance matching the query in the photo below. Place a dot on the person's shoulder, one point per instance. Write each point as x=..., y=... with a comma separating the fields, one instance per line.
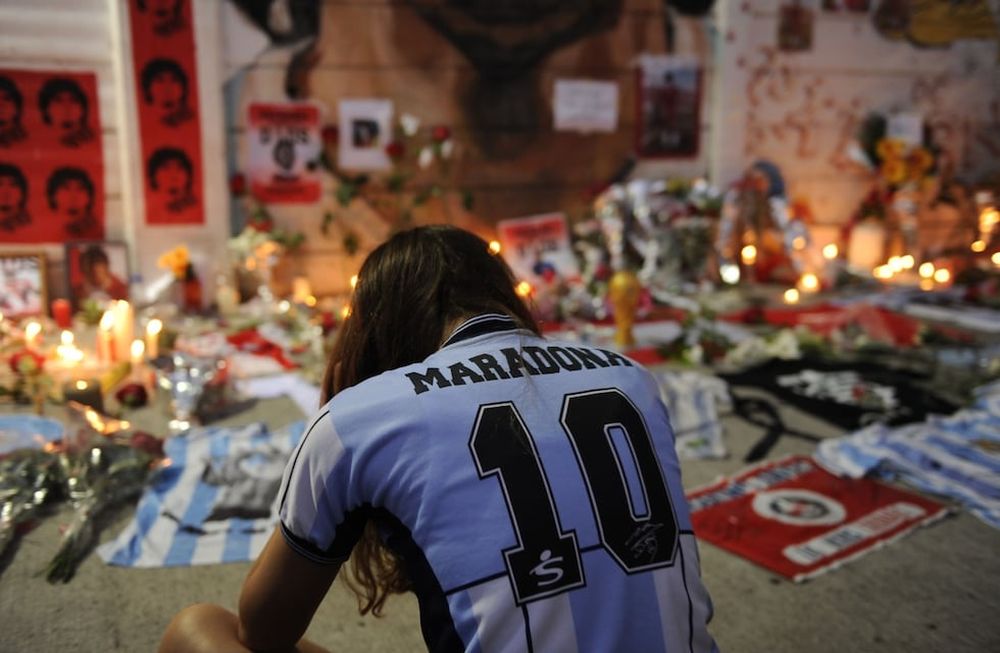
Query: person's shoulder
x=374, y=400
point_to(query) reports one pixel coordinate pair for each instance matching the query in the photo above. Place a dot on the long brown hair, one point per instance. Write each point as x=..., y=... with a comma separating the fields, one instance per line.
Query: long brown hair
x=409, y=290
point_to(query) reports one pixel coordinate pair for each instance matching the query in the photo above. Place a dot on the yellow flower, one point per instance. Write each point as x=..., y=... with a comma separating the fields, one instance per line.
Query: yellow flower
x=176, y=260
x=894, y=171
x=890, y=148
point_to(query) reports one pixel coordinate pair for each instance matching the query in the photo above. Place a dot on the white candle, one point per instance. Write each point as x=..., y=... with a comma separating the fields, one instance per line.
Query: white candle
x=32, y=334
x=106, y=338
x=68, y=353
x=153, y=329
x=301, y=290
x=124, y=328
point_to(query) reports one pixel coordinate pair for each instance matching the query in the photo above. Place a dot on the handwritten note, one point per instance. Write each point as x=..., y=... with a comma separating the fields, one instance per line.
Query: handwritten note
x=585, y=105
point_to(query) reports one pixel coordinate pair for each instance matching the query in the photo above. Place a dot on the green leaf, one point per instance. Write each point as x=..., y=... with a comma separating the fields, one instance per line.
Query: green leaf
x=324, y=226
x=346, y=192
x=468, y=201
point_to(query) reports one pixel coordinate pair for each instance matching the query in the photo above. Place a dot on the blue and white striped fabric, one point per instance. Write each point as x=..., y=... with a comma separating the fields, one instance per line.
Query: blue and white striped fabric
x=214, y=503
x=956, y=456
x=694, y=402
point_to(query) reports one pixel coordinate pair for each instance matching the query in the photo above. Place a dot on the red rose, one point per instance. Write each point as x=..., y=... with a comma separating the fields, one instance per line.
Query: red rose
x=238, y=184
x=26, y=362
x=395, y=150
x=330, y=134
x=132, y=395
x=440, y=133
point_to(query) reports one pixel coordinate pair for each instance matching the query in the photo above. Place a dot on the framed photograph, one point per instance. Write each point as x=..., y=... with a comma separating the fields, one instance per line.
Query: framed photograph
x=669, y=104
x=96, y=269
x=365, y=130
x=23, y=290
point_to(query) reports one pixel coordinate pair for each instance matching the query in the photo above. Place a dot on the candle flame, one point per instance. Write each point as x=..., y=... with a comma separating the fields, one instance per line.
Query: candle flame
x=908, y=261
x=748, y=254
x=31, y=330
x=354, y=281
x=791, y=296
x=830, y=252
x=138, y=349
x=995, y=258
x=154, y=327
x=81, y=385
x=942, y=275
x=494, y=246
x=107, y=321
x=809, y=281
x=926, y=270
x=523, y=289
x=66, y=338
x=979, y=246
x=345, y=312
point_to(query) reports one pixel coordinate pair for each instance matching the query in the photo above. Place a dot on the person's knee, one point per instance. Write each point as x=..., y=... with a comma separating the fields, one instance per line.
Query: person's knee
x=199, y=627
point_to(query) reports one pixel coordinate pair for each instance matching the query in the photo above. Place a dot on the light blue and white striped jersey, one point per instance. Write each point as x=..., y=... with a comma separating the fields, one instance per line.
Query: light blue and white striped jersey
x=531, y=487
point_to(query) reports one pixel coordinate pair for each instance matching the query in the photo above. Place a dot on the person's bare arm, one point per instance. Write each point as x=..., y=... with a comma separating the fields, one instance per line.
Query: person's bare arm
x=280, y=596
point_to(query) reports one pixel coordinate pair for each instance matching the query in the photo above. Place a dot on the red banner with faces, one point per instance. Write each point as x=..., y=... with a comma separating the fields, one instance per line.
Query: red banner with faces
x=166, y=84
x=51, y=160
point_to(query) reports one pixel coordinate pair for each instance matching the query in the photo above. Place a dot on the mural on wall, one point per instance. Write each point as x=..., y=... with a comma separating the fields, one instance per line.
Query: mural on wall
x=166, y=83
x=51, y=158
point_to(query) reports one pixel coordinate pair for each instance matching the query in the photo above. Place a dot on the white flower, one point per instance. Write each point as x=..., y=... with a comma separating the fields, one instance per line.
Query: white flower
x=409, y=123
x=426, y=157
x=447, y=148
x=785, y=346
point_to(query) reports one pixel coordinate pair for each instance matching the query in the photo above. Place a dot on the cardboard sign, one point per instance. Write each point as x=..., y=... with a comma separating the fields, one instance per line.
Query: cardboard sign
x=536, y=246
x=166, y=86
x=284, y=145
x=51, y=159
x=798, y=520
x=585, y=105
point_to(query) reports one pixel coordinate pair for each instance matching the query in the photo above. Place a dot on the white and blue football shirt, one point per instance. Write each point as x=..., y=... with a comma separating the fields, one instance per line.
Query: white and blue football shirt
x=531, y=488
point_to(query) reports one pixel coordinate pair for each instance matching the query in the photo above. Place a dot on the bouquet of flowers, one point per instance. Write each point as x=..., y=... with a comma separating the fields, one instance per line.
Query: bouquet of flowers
x=29, y=479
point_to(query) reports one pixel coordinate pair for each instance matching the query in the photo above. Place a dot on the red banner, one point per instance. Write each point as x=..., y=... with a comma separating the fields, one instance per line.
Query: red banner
x=166, y=84
x=798, y=520
x=51, y=161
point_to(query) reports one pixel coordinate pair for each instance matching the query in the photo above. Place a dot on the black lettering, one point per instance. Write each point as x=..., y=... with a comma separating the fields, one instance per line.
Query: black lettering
x=459, y=372
x=489, y=367
x=542, y=360
x=515, y=362
x=616, y=359
x=422, y=382
x=588, y=357
x=564, y=359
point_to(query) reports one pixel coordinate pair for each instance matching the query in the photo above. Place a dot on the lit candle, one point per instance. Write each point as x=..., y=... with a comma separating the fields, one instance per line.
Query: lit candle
x=137, y=351
x=792, y=296
x=907, y=261
x=32, y=334
x=809, y=282
x=153, y=329
x=106, y=338
x=942, y=275
x=523, y=289
x=494, y=247
x=926, y=270
x=748, y=255
x=354, y=281
x=830, y=251
x=979, y=246
x=300, y=290
x=996, y=259
x=345, y=312
x=69, y=354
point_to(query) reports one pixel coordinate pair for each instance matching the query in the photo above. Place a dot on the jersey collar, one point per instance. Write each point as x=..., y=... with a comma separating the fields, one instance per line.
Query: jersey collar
x=481, y=325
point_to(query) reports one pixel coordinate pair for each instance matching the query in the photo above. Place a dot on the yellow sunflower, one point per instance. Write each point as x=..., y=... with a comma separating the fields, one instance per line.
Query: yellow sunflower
x=176, y=260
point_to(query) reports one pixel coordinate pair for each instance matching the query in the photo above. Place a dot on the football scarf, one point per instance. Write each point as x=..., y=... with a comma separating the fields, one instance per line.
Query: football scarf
x=798, y=520
x=213, y=503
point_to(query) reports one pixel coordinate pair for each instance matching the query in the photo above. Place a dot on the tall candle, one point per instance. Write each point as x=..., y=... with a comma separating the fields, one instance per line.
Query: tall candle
x=124, y=328
x=106, y=338
x=153, y=329
x=137, y=351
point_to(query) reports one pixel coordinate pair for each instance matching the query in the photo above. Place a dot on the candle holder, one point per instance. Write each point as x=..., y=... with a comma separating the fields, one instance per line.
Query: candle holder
x=183, y=378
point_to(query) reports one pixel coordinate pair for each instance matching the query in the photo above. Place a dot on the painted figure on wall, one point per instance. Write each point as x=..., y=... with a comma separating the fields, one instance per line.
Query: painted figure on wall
x=166, y=15
x=70, y=195
x=64, y=106
x=170, y=173
x=13, y=198
x=165, y=88
x=11, y=107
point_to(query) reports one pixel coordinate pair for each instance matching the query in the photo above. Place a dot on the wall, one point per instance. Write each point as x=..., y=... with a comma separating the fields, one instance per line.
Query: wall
x=92, y=36
x=384, y=49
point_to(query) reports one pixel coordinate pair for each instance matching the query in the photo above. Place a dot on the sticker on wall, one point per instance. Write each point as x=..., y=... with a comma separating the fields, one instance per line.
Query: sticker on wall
x=166, y=83
x=795, y=27
x=365, y=131
x=669, y=106
x=284, y=145
x=585, y=105
x=51, y=159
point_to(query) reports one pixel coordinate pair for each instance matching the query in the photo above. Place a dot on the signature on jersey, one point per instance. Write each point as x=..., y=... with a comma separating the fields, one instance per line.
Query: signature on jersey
x=643, y=542
x=547, y=570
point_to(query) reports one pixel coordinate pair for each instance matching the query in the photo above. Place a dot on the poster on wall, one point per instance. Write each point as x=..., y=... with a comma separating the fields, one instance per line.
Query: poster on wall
x=51, y=159
x=166, y=83
x=96, y=270
x=365, y=130
x=284, y=144
x=22, y=284
x=537, y=246
x=669, y=124
x=585, y=105
x=795, y=27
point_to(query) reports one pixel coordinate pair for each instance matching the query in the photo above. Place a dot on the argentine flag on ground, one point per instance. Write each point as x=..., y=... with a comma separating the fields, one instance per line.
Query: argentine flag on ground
x=215, y=502
x=956, y=456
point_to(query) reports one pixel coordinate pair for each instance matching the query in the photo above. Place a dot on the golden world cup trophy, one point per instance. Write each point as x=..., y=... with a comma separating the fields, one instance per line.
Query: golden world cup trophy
x=623, y=291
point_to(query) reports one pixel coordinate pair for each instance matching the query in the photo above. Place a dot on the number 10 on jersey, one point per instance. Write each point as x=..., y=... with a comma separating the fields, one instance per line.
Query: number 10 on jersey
x=611, y=443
